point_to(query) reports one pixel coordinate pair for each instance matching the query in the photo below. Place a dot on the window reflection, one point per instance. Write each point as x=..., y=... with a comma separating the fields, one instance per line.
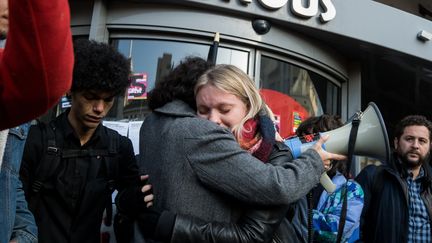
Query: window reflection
x=294, y=93
x=151, y=60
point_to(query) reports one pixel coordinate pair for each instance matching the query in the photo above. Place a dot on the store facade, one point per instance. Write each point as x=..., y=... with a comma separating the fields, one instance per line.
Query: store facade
x=308, y=57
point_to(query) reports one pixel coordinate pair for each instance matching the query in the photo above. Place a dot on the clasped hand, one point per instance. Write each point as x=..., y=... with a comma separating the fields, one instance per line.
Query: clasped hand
x=146, y=189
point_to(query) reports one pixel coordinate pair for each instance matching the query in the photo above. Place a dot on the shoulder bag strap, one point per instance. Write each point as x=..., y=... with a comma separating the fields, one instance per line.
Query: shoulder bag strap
x=351, y=144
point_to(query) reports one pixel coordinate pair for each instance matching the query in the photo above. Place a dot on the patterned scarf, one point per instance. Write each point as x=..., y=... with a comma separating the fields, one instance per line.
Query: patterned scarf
x=258, y=137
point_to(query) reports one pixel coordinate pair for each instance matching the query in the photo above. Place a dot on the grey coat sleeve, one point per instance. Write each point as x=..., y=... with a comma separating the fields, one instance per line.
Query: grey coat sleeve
x=257, y=225
x=220, y=163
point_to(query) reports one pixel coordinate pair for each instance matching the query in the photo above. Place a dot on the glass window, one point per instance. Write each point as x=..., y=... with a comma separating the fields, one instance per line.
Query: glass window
x=151, y=60
x=294, y=93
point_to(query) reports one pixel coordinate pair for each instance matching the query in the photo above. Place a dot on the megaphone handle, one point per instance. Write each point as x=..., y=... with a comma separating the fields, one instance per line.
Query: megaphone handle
x=327, y=183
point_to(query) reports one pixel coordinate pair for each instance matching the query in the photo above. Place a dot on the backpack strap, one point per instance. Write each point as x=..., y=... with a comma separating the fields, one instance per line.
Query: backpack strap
x=53, y=155
x=50, y=159
x=112, y=170
x=111, y=162
x=114, y=141
x=77, y=153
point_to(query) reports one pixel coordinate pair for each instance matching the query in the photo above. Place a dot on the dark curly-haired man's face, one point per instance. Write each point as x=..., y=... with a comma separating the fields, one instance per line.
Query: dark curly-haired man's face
x=413, y=146
x=89, y=108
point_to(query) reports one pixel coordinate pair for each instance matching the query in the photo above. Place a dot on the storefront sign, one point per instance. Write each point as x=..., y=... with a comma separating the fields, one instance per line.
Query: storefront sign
x=138, y=87
x=297, y=7
x=65, y=103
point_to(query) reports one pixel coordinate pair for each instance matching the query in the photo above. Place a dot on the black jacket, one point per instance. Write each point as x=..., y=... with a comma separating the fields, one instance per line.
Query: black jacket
x=70, y=204
x=386, y=209
x=257, y=225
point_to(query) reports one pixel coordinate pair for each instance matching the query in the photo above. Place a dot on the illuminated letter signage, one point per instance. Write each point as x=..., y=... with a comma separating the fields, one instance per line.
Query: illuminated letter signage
x=298, y=8
x=273, y=4
x=301, y=11
x=329, y=11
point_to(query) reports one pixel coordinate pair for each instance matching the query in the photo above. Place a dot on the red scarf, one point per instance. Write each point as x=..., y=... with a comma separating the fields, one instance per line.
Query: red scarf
x=253, y=141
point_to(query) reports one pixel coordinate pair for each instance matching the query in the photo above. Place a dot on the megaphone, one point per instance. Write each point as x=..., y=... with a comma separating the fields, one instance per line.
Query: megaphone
x=372, y=140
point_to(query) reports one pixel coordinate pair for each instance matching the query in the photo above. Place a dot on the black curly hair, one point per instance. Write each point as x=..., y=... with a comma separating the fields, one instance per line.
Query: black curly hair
x=179, y=83
x=317, y=124
x=99, y=67
x=412, y=120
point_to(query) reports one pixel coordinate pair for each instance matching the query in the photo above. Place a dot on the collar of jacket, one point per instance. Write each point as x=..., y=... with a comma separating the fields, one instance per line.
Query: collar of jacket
x=396, y=167
x=177, y=108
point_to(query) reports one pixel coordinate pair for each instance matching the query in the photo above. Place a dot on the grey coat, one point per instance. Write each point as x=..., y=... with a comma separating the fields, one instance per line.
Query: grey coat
x=197, y=168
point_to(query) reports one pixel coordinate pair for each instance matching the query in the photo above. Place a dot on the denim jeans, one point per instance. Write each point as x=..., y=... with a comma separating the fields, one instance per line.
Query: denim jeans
x=16, y=221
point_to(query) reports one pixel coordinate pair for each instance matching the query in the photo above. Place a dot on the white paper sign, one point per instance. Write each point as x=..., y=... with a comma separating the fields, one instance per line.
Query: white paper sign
x=134, y=129
x=120, y=127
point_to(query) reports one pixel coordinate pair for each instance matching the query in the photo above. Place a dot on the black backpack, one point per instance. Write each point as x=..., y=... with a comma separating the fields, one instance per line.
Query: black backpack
x=54, y=153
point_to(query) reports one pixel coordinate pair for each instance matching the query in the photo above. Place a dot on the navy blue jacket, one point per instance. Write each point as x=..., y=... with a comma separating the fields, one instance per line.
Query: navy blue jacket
x=386, y=210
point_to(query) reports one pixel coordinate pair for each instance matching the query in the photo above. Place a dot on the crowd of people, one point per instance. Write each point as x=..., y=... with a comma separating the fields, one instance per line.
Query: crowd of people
x=212, y=166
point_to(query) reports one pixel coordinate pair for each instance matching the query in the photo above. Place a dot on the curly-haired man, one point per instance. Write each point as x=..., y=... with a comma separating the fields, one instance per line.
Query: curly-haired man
x=71, y=166
x=398, y=194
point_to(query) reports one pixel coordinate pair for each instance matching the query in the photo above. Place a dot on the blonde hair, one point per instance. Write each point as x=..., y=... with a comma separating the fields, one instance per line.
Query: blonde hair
x=233, y=80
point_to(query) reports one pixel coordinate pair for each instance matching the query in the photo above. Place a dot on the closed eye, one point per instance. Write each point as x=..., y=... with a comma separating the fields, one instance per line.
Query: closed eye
x=224, y=109
x=202, y=111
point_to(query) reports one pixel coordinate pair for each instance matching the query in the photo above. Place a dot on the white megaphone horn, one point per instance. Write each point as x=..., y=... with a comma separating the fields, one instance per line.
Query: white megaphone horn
x=372, y=140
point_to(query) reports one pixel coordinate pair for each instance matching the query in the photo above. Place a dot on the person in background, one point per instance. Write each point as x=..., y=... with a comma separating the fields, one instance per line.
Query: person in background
x=398, y=199
x=72, y=165
x=35, y=71
x=224, y=170
x=326, y=209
